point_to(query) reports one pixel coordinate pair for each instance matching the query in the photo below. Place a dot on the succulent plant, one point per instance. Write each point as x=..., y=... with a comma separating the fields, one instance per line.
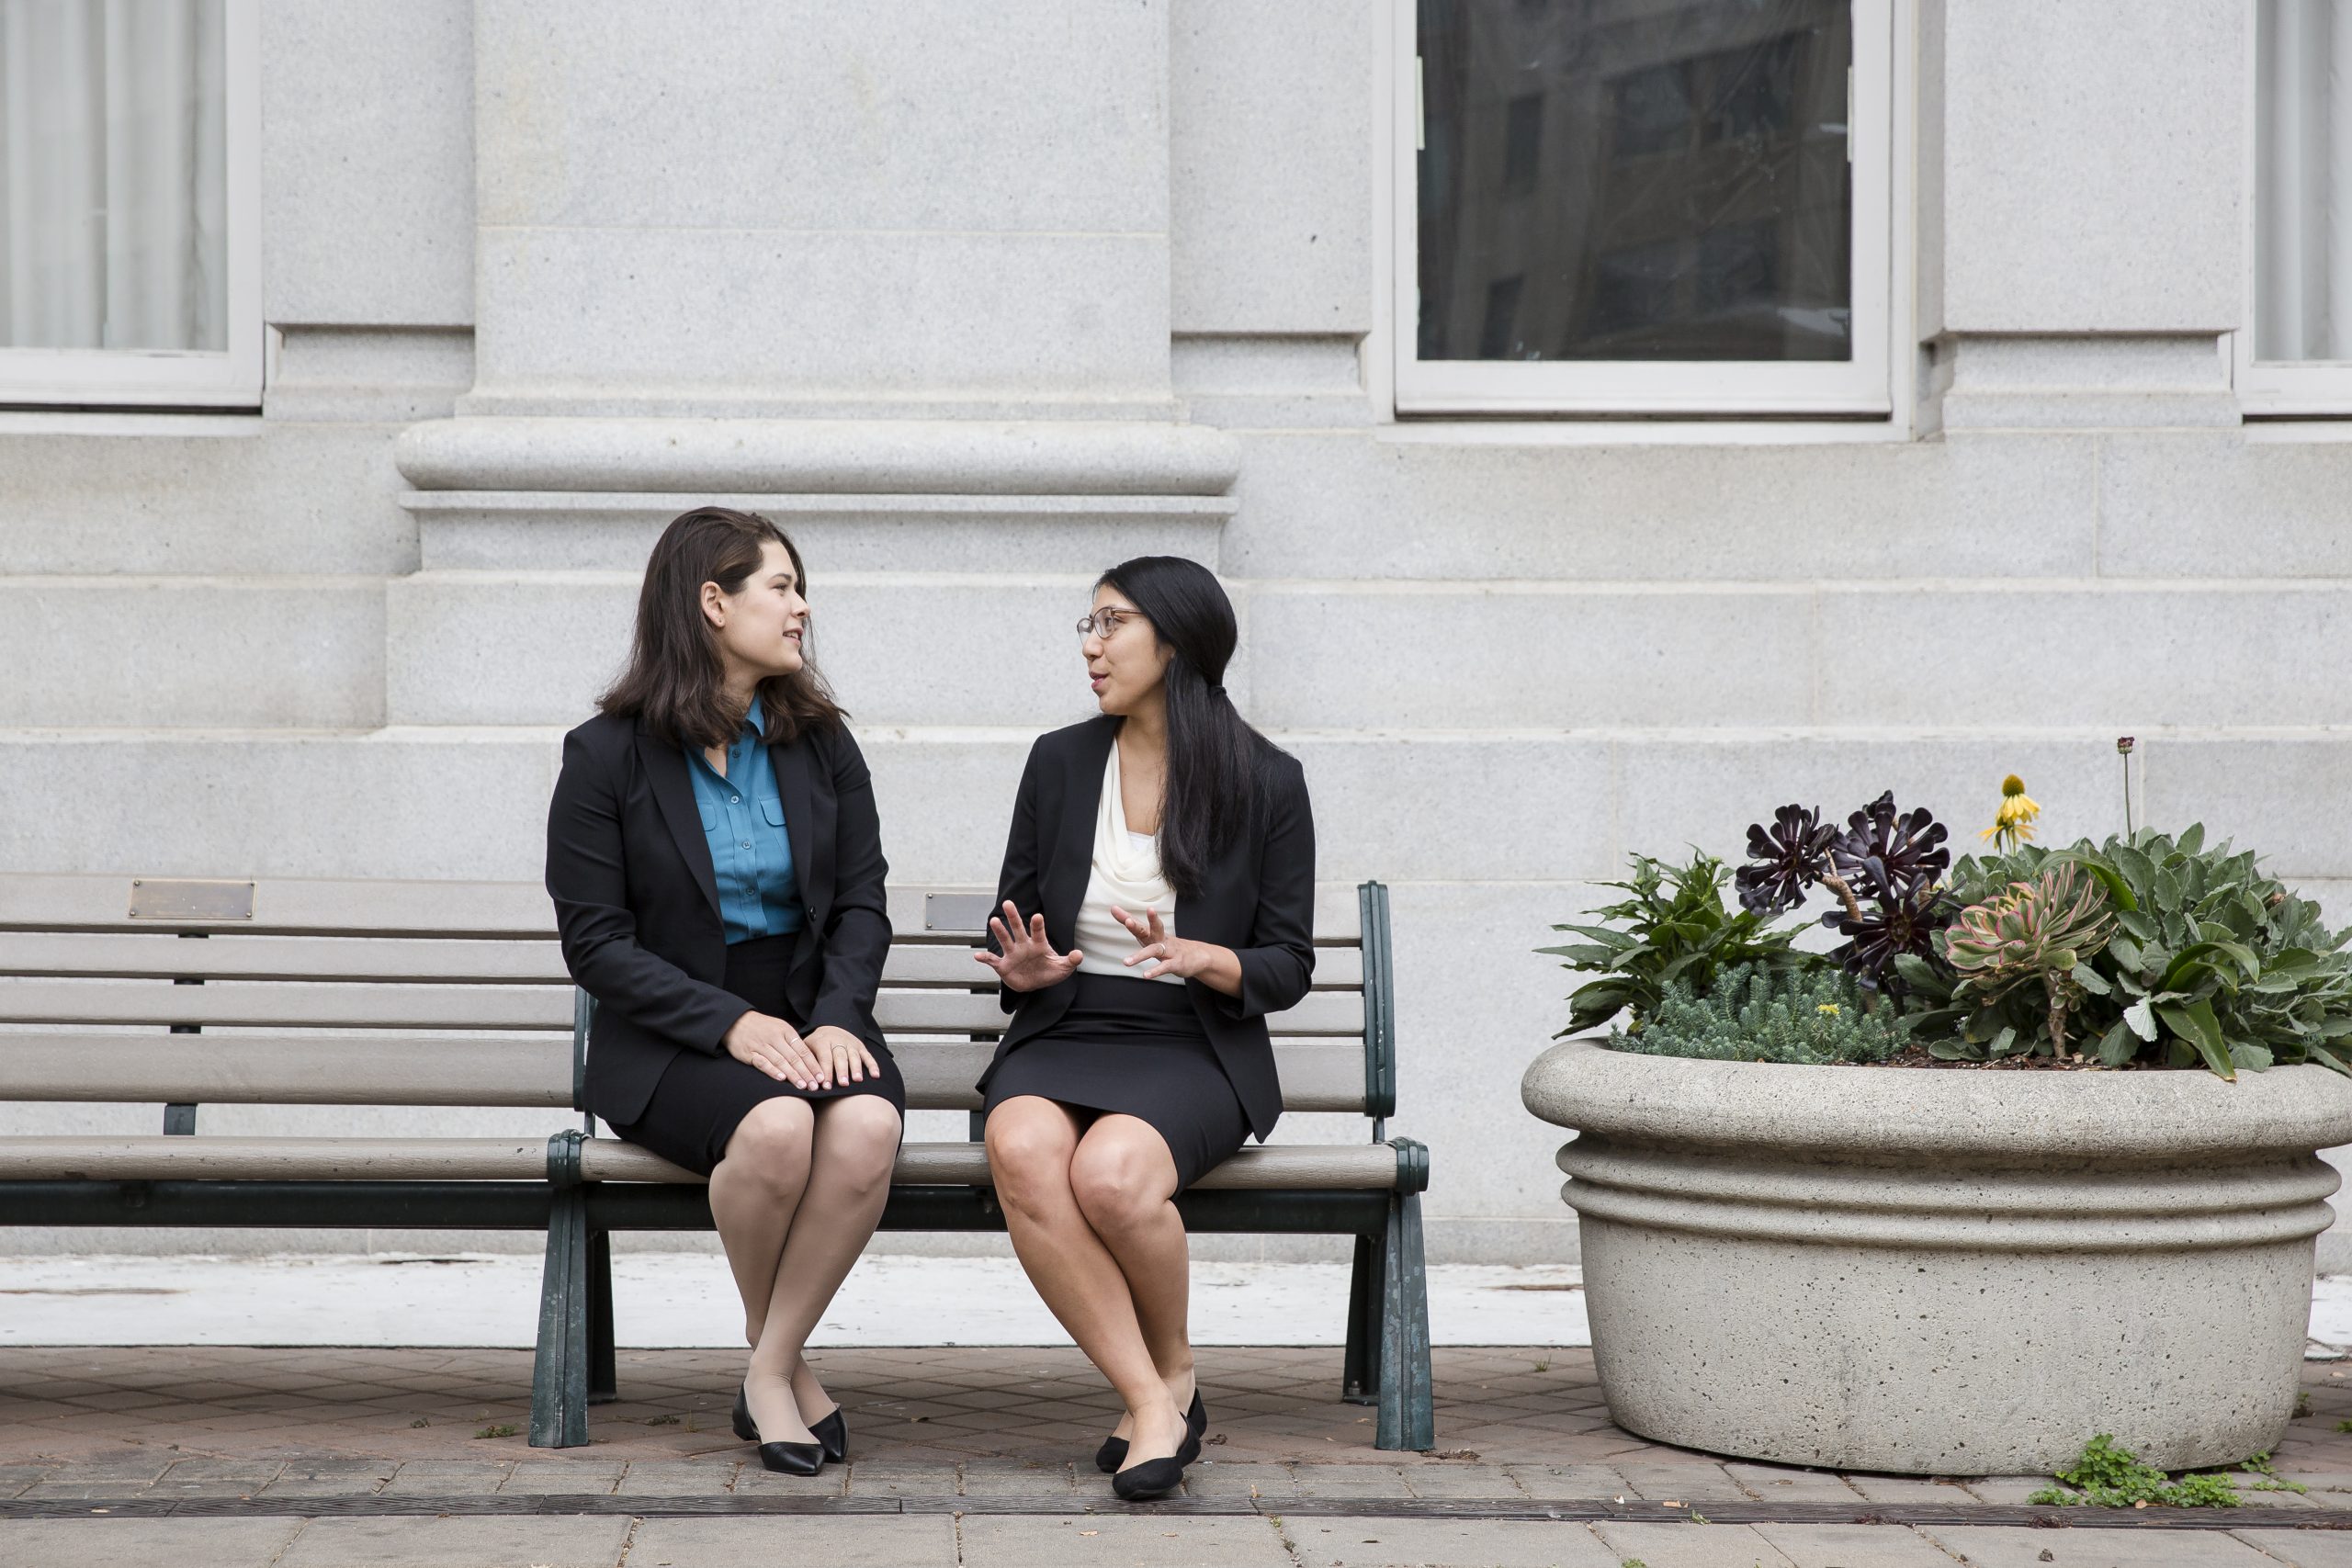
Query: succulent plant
x=2210, y=961
x=2045, y=931
x=1890, y=859
x=1884, y=855
x=1783, y=859
x=1757, y=1013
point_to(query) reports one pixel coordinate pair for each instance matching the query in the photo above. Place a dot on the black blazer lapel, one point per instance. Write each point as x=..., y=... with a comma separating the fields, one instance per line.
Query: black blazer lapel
x=673, y=792
x=791, y=763
x=1062, y=886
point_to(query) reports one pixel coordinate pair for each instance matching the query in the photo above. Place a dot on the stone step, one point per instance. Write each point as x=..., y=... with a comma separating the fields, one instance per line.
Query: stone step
x=947, y=649
x=175, y=652
x=1548, y=806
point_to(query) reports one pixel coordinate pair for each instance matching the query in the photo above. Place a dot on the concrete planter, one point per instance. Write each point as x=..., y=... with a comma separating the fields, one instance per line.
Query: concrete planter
x=1944, y=1272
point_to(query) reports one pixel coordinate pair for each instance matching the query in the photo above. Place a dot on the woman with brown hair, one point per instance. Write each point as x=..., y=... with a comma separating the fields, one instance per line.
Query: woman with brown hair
x=715, y=864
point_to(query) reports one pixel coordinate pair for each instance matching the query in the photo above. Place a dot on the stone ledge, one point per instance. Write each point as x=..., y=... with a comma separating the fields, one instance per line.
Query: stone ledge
x=820, y=456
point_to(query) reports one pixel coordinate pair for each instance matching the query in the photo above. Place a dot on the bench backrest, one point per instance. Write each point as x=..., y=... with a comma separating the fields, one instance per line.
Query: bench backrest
x=446, y=993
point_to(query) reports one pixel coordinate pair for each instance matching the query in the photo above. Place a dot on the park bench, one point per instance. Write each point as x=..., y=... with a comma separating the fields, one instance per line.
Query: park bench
x=445, y=995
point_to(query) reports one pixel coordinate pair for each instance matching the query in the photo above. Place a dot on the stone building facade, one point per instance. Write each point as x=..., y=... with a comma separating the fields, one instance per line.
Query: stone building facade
x=977, y=297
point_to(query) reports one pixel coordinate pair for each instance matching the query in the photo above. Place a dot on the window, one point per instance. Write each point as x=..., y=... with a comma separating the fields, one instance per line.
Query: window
x=2297, y=359
x=1654, y=206
x=128, y=172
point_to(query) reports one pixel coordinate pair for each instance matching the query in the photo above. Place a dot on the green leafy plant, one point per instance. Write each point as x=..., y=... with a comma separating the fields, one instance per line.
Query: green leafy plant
x=1672, y=926
x=2210, y=961
x=501, y=1430
x=2108, y=1476
x=2042, y=934
x=1755, y=1013
x=2260, y=1465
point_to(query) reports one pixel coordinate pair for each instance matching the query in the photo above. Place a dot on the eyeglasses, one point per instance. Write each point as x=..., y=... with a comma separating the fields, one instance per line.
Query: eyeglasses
x=1103, y=622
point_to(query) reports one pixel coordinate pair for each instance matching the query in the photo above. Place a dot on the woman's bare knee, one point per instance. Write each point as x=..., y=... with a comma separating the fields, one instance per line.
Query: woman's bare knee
x=771, y=1143
x=1121, y=1176
x=1029, y=1145
x=858, y=1136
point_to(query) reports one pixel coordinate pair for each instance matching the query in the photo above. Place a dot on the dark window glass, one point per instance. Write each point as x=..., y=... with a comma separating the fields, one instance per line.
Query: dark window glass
x=1638, y=179
x=1522, y=145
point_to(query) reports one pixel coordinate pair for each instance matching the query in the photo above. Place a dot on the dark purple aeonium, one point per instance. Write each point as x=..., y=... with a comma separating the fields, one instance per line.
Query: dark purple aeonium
x=1783, y=859
x=1892, y=860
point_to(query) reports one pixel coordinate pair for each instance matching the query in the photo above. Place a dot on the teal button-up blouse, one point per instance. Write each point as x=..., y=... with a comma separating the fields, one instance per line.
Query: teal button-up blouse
x=742, y=820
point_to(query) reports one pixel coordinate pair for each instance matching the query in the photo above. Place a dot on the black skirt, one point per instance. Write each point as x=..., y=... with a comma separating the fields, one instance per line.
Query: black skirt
x=701, y=1099
x=1132, y=1048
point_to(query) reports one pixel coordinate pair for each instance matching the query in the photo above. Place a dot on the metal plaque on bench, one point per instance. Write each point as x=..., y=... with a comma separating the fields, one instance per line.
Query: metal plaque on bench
x=957, y=911
x=187, y=898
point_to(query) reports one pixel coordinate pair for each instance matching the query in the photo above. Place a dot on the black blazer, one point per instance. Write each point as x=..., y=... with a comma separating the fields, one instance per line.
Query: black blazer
x=637, y=901
x=1258, y=901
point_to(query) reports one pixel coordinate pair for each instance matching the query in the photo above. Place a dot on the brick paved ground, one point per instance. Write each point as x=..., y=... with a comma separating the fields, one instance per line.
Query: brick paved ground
x=1510, y=1423
x=978, y=1456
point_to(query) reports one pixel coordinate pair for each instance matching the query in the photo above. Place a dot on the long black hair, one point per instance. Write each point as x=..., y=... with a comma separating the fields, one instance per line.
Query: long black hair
x=1213, y=756
x=674, y=679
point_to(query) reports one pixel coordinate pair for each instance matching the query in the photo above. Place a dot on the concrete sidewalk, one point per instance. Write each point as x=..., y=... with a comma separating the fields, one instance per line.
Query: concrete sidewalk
x=206, y=1456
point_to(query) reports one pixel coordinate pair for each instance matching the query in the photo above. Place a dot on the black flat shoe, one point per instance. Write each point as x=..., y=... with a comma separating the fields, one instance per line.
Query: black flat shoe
x=1114, y=1451
x=785, y=1458
x=832, y=1434
x=1152, y=1478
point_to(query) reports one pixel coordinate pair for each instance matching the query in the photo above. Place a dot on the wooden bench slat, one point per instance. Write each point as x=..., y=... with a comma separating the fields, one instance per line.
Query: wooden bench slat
x=298, y=1004
x=1322, y=1167
x=237, y=956
x=212, y=1069
x=294, y=906
x=510, y=1070
x=413, y=960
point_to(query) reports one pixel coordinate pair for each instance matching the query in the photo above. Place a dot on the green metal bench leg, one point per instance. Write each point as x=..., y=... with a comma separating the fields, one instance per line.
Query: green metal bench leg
x=560, y=1370
x=603, y=1375
x=1408, y=1415
x=1360, y=1375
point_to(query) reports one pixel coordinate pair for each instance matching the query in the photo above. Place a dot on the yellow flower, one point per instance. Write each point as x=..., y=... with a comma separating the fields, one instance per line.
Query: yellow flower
x=1832, y=1009
x=2013, y=825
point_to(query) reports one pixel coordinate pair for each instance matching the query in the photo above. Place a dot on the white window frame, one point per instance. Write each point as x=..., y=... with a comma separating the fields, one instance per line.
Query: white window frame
x=151, y=378
x=2276, y=387
x=1863, y=385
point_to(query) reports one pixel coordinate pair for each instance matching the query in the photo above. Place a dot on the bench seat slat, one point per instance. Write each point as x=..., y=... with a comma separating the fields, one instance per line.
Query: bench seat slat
x=509, y=1070
x=415, y=960
x=297, y=905
x=301, y=1004
x=1346, y=1167
x=210, y=1069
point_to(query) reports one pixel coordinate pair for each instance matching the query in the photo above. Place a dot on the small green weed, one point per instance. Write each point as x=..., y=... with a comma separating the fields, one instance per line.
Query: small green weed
x=2303, y=1402
x=496, y=1432
x=1633, y=1563
x=421, y=1421
x=2259, y=1465
x=661, y=1420
x=2107, y=1476
x=1697, y=1518
x=2344, y=1425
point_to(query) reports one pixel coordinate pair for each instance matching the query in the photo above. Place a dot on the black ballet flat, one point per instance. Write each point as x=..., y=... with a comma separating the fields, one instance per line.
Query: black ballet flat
x=785, y=1458
x=832, y=1434
x=1114, y=1451
x=1152, y=1478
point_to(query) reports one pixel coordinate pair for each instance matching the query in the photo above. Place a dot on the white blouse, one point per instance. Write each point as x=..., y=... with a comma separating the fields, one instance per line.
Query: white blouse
x=1125, y=872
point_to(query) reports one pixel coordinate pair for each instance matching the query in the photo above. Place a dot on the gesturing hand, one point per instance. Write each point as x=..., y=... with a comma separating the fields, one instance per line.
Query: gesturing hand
x=776, y=1049
x=1028, y=962
x=1167, y=954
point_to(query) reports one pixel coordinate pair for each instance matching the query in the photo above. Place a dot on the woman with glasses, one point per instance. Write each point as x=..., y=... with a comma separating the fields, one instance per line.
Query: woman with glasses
x=717, y=869
x=1156, y=903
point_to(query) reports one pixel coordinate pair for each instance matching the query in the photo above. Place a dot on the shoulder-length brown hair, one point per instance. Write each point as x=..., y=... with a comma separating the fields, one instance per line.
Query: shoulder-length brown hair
x=672, y=685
